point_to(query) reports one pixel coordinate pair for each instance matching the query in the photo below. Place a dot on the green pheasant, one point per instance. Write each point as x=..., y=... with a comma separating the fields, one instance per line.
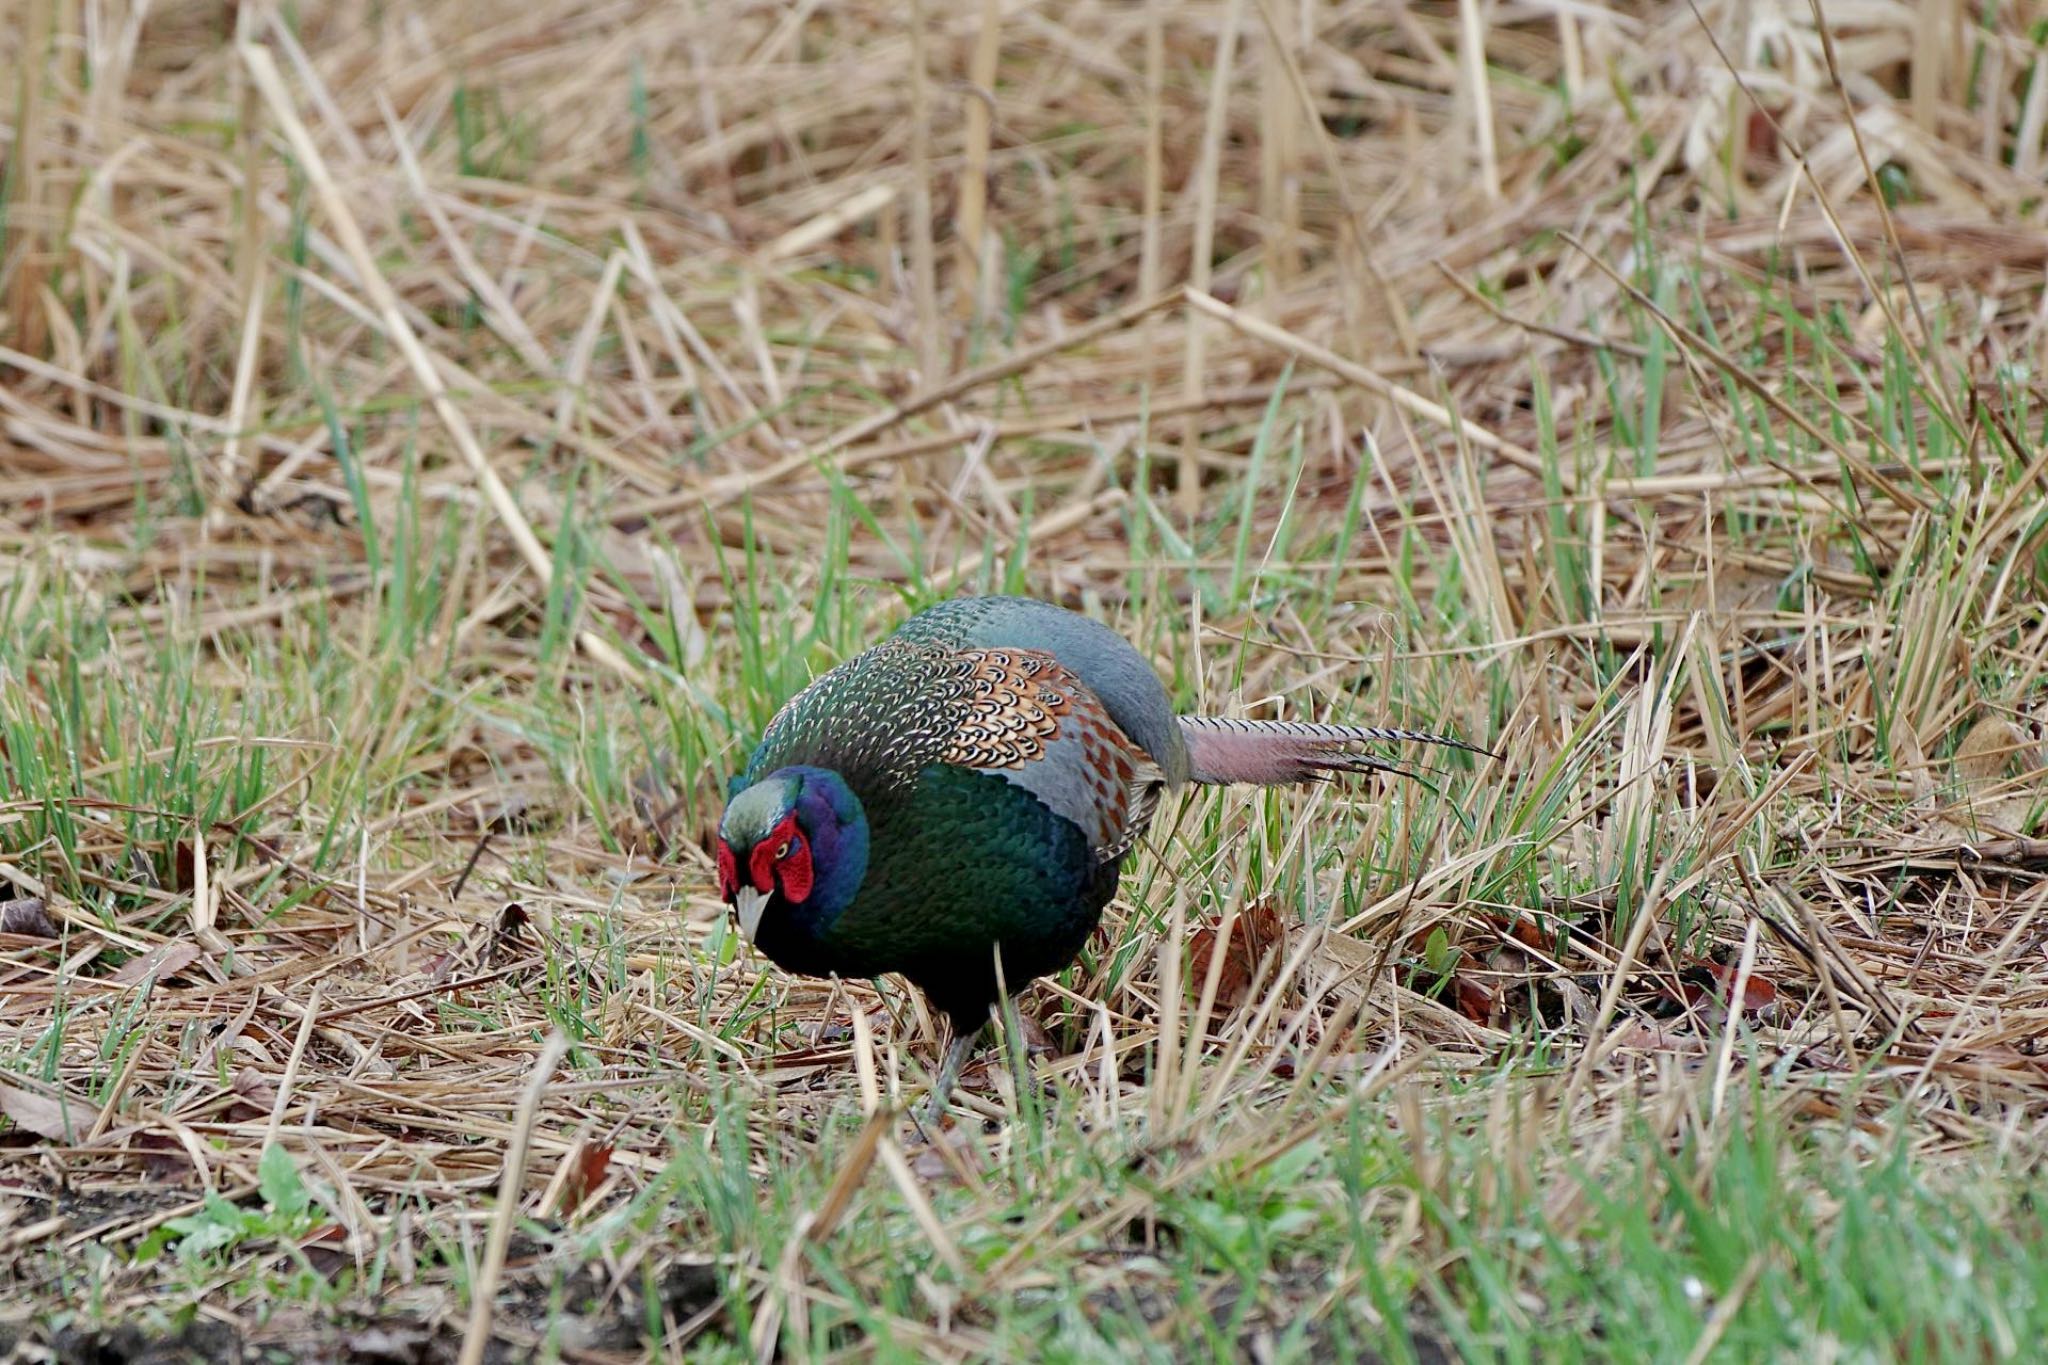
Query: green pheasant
x=969, y=788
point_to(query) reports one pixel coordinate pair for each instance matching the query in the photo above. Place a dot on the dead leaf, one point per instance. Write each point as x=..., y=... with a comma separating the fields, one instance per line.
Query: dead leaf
x=1987, y=751
x=1643, y=1036
x=390, y=1344
x=254, y=1047
x=1257, y=933
x=56, y=1117
x=942, y=1155
x=1991, y=755
x=254, y=1095
x=1037, y=1041
x=28, y=917
x=327, y=1248
x=184, y=870
x=588, y=1165
x=164, y=1158
x=1759, y=993
x=162, y=962
x=1762, y=136
x=1520, y=929
x=509, y=937
x=1474, y=1000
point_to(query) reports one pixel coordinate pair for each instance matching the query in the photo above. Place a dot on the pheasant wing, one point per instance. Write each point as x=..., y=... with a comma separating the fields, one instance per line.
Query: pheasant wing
x=1022, y=715
x=883, y=717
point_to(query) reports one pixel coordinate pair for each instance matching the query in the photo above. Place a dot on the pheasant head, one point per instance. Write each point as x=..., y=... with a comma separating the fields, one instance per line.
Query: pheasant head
x=792, y=849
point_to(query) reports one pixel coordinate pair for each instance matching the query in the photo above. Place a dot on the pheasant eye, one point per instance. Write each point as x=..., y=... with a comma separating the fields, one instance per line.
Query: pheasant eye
x=782, y=850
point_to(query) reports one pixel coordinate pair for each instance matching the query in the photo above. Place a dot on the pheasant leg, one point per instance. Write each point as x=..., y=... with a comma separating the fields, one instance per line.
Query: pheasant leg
x=949, y=1075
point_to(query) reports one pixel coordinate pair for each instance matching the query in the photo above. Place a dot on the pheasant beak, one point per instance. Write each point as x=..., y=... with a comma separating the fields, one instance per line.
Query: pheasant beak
x=751, y=905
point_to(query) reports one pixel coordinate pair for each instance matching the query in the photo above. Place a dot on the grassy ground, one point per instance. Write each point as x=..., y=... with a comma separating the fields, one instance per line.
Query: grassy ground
x=435, y=438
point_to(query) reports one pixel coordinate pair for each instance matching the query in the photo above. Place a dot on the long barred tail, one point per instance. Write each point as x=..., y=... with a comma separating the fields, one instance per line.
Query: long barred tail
x=1272, y=752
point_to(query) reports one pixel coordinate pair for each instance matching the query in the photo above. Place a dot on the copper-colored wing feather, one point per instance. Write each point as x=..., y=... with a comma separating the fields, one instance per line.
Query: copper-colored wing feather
x=1006, y=713
x=1021, y=714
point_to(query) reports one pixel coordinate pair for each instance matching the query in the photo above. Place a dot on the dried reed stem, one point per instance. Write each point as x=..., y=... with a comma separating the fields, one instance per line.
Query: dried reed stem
x=1279, y=120
x=1359, y=259
x=931, y=345
x=25, y=253
x=1207, y=172
x=970, y=226
x=264, y=71
x=1478, y=97
x=1150, y=229
x=1928, y=78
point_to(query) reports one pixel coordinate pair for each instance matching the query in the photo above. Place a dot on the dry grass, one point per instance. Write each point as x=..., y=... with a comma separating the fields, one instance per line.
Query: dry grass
x=419, y=426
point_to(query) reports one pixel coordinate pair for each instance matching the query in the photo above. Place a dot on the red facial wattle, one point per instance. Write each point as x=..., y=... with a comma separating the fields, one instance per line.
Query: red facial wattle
x=761, y=862
x=783, y=860
x=795, y=870
x=728, y=872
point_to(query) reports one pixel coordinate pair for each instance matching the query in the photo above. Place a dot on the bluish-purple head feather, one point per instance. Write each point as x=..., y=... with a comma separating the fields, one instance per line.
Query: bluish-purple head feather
x=834, y=826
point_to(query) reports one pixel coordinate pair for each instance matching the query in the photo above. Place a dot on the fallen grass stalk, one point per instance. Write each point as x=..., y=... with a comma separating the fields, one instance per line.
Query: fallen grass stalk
x=476, y=1338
